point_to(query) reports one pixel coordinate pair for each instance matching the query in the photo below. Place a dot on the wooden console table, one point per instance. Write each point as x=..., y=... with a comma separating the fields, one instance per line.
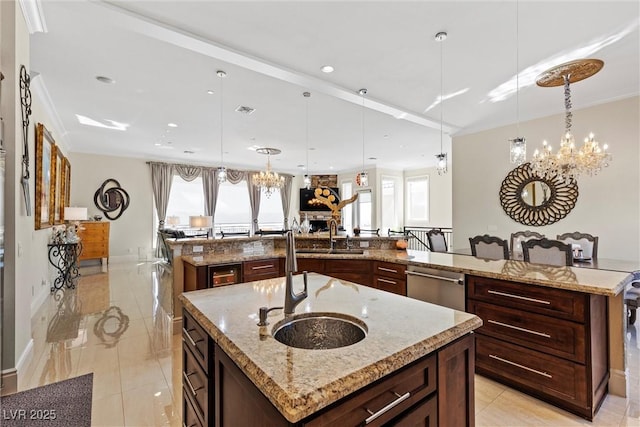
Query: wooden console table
x=95, y=240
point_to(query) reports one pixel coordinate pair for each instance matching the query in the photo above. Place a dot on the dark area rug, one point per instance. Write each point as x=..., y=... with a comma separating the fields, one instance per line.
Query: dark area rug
x=66, y=404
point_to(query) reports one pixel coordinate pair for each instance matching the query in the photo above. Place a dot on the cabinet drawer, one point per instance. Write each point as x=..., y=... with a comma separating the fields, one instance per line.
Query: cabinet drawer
x=539, y=373
x=538, y=299
x=189, y=414
x=390, y=284
x=547, y=334
x=389, y=269
x=195, y=383
x=261, y=269
x=424, y=414
x=347, y=265
x=311, y=265
x=406, y=388
x=197, y=340
x=359, y=278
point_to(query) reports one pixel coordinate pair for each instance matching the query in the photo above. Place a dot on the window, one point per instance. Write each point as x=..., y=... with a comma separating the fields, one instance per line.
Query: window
x=364, y=209
x=270, y=216
x=233, y=210
x=347, y=211
x=417, y=199
x=186, y=199
x=388, y=204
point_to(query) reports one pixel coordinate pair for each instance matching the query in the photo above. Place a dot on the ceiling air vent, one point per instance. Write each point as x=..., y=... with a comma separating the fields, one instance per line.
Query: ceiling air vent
x=245, y=110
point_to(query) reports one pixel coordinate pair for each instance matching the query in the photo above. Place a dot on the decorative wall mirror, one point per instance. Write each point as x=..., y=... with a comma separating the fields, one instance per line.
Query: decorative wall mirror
x=45, y=161
x=534, y=201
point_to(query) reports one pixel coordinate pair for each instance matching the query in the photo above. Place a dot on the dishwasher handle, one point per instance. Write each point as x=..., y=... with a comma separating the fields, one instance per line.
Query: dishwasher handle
x=432, y=276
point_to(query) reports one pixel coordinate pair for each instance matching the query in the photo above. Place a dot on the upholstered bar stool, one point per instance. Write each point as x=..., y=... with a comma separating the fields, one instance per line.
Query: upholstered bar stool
x=632, y=299
x=489, y=247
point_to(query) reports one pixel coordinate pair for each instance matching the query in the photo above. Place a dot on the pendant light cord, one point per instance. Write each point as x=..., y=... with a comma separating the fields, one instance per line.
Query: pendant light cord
x=221, y=121
x=363, y=93
x=307, y=95
x=441, y=90
x=517, y=71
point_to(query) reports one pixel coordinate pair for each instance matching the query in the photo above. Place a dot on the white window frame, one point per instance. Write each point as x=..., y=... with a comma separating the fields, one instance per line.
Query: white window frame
x=408, y=200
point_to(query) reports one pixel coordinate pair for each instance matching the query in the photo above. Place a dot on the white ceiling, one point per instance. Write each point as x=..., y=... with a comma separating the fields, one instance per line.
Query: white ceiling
x=164, y=56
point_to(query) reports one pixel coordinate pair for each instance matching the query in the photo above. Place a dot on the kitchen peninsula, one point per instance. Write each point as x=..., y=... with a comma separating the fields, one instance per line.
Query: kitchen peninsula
x=416, y=361
x=601, y=287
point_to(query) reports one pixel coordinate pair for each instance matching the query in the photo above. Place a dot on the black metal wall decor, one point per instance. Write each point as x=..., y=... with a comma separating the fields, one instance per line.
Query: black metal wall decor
x=559, y=197
x=111, y=199
x=25, y=101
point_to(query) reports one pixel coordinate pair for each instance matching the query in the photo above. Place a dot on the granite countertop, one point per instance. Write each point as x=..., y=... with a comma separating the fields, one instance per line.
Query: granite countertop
x=300, y=382
x=581, y=279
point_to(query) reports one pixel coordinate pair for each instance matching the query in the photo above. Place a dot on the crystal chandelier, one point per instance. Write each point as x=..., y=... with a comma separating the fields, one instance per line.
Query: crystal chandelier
x=362, y=179
x=442, y=157
x=222, y=171
x=570, y=161
x=268, y=180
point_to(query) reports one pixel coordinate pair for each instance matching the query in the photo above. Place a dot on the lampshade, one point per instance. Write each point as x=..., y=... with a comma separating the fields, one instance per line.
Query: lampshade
x=173, y=220
x=200, y=221
x=75, y=214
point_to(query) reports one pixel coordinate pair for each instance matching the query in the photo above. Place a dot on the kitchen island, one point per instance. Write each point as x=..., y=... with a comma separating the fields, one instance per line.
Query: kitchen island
x=317, y=387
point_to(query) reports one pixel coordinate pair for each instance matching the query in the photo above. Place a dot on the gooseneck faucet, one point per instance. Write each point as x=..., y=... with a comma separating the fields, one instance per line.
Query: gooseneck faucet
x=291, y=300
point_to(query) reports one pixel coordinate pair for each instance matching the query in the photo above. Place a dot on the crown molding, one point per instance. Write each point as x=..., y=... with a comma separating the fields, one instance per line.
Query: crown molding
x=33, y=16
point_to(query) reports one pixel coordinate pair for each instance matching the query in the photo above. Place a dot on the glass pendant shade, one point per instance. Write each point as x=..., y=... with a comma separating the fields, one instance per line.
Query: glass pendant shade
x=442, y=163
x=518, y=150
x=307, y=182
x=222, y=174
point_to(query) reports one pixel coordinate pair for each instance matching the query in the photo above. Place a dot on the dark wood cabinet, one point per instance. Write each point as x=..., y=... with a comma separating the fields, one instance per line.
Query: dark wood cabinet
x=197, y=373
x=434, y=390
x=390, y=277
x=550, y=343
x=357, y=271
x=260, y=269
x=312, y=265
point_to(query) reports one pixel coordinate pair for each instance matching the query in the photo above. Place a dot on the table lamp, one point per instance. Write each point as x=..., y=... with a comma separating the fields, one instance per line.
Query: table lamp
x=201, y=222
x=173, y=220
x=73, y=216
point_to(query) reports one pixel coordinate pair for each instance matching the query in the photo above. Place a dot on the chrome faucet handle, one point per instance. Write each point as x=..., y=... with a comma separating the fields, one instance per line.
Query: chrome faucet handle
x=262, y=314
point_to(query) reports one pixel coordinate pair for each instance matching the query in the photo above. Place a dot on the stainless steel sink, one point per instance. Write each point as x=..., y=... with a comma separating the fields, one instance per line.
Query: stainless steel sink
x=330, y=251
x=320, y=331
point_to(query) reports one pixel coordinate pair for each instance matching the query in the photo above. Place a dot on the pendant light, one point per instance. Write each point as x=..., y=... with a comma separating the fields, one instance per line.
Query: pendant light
x=222, y=171
x=307, y=177
x=362, y=179
x=442, y=157
x=518, y=145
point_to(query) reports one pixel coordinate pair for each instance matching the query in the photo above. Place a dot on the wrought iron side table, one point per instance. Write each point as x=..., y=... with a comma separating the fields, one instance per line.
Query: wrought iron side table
x=64, y=257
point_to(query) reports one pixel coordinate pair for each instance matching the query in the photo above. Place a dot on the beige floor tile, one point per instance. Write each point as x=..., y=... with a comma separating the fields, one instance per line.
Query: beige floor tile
x=146, y=373
x=149, y=406
x=107, y=411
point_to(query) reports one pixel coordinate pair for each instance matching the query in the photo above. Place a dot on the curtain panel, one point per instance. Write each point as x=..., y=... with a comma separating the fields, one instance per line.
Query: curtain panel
x=161, y=180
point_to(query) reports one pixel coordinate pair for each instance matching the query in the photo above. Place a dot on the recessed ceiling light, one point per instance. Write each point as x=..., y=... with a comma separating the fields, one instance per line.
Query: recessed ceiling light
x=157, y=144
x=245, y=110
x=172, y=125
x=312, y=149
x=373, y=158
x=188, y=152
x=210, y=92
x=301, y=166
x=386, y=136
x=106, y=80
x=326, y=69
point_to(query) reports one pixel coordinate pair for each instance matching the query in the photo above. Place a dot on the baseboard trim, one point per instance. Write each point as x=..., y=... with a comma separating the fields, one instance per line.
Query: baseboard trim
x=618, y=382
x=8, y=382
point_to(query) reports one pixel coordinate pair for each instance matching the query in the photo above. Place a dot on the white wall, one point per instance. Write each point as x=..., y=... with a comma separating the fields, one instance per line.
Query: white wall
x=134, y=230
x=608, y=204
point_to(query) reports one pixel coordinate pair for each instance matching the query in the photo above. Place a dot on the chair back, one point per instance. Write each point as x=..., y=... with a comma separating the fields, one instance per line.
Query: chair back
x=489, y=247
x=587, y=242
x=549, y=252
x=522, y=236
x=437, y=240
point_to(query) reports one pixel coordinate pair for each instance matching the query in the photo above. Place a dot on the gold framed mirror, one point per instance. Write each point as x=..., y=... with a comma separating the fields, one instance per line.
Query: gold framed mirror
x=534, y=201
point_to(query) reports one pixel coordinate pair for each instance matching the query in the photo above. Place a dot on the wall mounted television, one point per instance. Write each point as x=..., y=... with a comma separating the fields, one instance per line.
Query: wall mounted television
x=308, y=201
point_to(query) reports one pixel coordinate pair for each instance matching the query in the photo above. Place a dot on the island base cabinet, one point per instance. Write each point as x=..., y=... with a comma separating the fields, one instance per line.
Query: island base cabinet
x=435, y=390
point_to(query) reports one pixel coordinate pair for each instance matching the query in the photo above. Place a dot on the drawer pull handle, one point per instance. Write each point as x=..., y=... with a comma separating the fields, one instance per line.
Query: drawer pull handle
x=431, y=276
x=262, y=267
x=396, y=402
x=186, y=334
x=535, y=371
x=504, y=294
x=389, y=270
x=391, y=282
x=220, y=276
x=194, y=391
x=529, y=331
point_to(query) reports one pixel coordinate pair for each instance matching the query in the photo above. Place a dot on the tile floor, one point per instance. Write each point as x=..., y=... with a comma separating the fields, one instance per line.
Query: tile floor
x=117, y=325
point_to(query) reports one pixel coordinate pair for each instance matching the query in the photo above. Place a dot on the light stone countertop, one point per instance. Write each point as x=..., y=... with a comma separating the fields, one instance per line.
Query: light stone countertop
x=581, y=279
x=300, y=382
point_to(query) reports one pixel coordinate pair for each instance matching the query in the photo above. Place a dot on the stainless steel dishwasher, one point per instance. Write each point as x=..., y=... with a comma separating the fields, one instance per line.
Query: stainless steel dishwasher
x=436, y=286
